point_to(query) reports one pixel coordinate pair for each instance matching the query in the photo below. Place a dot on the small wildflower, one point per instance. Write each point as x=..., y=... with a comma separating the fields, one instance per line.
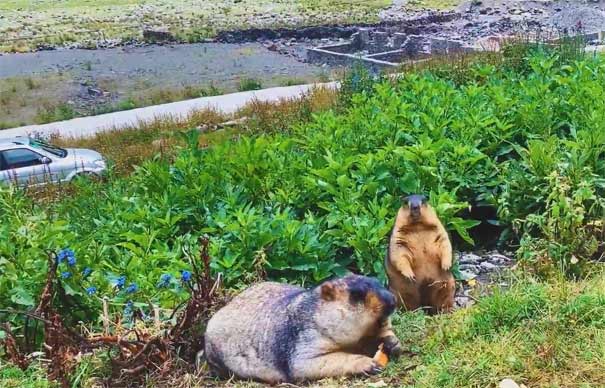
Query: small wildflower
x=128, y=308
x=66, y=254
x=132, y=288
x=87, y=271
x=185, y=276
x=91, y=290
x=164, y=280
x=120, y=282
x=65, y=275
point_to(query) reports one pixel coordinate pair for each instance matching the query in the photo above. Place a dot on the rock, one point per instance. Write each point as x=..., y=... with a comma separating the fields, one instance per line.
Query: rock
x=497, y=258
x=466, y=275
x=157, y=34
x=463, y=301
x=94, y=92
x=508, y=383
x=487, y=266
x=469, y=268
x=470, y=258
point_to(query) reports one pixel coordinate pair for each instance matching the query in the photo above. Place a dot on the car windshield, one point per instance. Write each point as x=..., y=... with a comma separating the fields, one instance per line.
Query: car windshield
x=58, y=151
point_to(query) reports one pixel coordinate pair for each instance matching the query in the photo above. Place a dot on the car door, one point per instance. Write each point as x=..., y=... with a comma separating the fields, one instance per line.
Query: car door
x=4, y=178
x=24, y=166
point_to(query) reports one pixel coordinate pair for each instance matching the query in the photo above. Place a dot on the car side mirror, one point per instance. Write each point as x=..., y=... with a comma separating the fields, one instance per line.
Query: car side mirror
x=45, y=160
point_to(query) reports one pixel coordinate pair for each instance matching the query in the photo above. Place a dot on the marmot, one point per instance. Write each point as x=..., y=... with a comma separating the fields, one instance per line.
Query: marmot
x=277, y=333
x=419, y=258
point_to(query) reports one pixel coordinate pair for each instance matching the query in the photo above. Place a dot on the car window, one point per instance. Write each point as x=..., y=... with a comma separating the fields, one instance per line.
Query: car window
x=57, y=151
x=20, y=157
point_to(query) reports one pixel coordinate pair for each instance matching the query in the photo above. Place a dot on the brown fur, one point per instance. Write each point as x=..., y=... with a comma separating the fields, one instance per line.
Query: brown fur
x=418, y=262
x=280, y=333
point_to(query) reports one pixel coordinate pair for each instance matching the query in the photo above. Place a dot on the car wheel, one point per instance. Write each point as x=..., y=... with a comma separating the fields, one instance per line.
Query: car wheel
x=86, y=175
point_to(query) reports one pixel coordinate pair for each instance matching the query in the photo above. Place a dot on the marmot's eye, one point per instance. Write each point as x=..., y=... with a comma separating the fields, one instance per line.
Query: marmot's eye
x=357, y=295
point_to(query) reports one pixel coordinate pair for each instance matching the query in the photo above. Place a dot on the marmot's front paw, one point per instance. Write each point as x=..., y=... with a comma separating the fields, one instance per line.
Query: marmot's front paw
x=410, y=275
x=392, y=346
x=446, y=265
x=368, y=366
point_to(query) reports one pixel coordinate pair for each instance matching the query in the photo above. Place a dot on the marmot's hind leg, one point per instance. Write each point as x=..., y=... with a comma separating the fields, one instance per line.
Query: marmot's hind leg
x=334, y=365
x=441, y=295
x=408, y=297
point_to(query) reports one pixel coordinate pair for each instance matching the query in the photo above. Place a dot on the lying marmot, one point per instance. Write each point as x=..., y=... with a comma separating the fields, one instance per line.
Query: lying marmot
x=281, y=333
x=419, y=258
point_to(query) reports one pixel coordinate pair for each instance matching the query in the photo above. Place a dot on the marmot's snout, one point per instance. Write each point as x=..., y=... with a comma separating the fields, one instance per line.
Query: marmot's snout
x=415, y=203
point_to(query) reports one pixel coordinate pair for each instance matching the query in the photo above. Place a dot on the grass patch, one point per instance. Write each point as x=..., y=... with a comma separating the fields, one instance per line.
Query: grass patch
x=34, y=377
x=248, y=84
x=526, y=333
x=84, y=22
x=434, y=4
x=52, y=113
x=306, y=189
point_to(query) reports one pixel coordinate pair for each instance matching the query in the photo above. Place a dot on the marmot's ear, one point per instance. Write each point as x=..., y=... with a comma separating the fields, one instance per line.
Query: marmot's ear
x=404, y=199
x=328, y=291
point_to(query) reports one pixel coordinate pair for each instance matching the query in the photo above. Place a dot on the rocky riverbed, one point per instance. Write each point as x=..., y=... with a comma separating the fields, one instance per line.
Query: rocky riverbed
x=120, y=74
x=480, y=269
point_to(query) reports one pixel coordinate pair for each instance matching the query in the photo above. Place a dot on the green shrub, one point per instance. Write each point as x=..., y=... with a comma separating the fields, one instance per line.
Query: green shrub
x=248, y=84
x=319, y=199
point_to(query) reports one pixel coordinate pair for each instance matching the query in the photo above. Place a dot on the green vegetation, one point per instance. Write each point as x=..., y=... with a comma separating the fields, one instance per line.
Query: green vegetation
x=247, y=84
x=434, y=4
x=538, y=334
x=51, y=113
x=27, y=23
x=304, y=192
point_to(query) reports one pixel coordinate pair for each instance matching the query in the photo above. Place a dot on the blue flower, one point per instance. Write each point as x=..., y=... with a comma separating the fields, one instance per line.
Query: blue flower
x=120, y=282
x=91, y=290
x=87, y=271
x=185, y=276
x=132, y=288
x=66, y=254
x=165, y=280
x=65, y=275
x=128, y=308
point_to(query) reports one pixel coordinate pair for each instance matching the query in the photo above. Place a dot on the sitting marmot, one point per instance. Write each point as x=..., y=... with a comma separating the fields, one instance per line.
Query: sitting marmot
x=419, y=258
x=281, y=333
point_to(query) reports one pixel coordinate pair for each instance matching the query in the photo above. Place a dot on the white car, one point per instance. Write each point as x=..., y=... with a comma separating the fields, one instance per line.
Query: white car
x=26, y=161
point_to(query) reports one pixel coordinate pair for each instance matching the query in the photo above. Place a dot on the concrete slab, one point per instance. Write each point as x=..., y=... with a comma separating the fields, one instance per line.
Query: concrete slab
x=229, y=103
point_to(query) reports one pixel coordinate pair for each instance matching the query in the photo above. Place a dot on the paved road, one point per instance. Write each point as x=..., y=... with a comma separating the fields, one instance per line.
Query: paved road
x=229, y=103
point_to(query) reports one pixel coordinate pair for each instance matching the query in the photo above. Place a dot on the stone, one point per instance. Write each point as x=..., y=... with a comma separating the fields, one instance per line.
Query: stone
x=413, y=45
x=356, y=41
x=364, y=36
x=497, y=258
x=470, y=258
x=399, y=40
x=463, y=301
x=487, y=266
x=508, y=383
x=467, y=275
x=157, y=34
x=94, y=92
x=380, y=41
x=469, y=267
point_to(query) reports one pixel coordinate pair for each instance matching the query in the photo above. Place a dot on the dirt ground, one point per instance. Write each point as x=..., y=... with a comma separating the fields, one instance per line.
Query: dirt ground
x=42, y=86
